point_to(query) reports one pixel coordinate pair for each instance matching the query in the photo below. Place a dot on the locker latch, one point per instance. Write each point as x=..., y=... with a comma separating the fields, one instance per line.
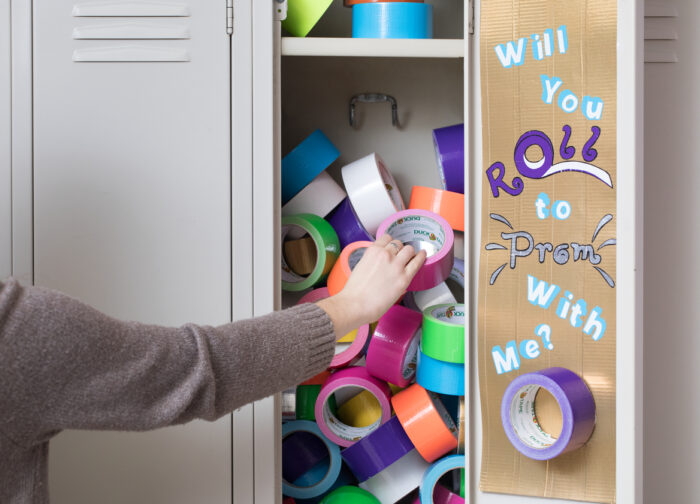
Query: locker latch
x=375, y=98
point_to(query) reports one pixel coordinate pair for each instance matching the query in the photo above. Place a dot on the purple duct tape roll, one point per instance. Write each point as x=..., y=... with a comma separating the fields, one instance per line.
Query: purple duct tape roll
x=449, y=152
x=347, y=225
x=519, y=417
x=301, y=451
x=373, y=453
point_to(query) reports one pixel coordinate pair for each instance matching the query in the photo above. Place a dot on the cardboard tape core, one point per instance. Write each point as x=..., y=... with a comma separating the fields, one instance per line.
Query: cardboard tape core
x=523, y=418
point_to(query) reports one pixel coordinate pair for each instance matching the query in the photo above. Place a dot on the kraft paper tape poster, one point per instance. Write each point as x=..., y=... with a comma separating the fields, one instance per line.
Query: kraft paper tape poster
x=548, y=249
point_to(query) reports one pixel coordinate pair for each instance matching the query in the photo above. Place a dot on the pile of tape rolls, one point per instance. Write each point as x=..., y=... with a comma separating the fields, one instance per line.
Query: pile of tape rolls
x=385, y=422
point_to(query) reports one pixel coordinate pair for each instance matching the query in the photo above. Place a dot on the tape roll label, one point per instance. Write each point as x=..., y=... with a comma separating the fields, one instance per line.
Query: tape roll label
x=449, y=314
x=444, y=414
x=423, y=233
x=410, y=361
x=344, y=431
x=523, y=418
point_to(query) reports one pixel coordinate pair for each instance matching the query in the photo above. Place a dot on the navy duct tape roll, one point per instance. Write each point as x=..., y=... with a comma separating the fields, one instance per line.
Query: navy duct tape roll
x=373, y=453
x=305, y=162
x=403, y=20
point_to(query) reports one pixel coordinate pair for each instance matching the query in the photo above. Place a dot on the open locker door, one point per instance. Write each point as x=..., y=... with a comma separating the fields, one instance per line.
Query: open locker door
x=132, y=212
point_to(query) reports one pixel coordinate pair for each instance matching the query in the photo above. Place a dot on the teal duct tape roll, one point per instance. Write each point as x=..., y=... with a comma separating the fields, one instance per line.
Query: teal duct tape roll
x=305, y=162
x=302, y=15
x=392, y=20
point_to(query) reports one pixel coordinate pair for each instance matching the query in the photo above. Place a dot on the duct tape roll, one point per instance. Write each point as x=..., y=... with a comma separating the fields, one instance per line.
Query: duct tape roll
x=360, y=410
x=345, y=478
x=424, y=231
x=393, y=349
x=350, y=380
x=440, y=294
x=441, y=495
x=319, y=379
x=459, y=245
x=320, y=197
x=327, y=250
x=372, y=191
x=462, y=426
x=443, y=332
x=438, y=376
x=397, y=480
x=437, y=471
x=346, y=354
x=447, y=204
x=519, y=414
x=426, y=422
x=342, y=268
x=306, y=402
x=350, y=495
x=351, y=3
x=305, y=162
x=347, y=224
x=462, y=482
x=289, y=400
x=403, y=20
x=296, y=489
x=288, y=500
x=302, y=15
x=301, y=451
x=449, y=153
x=377, y=451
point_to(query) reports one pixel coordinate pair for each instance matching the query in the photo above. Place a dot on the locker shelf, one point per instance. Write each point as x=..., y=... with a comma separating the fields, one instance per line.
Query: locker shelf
x=383, y=48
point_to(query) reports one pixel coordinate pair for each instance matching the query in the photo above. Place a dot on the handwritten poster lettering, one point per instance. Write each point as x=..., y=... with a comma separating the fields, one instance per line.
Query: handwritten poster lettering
x=547, y=278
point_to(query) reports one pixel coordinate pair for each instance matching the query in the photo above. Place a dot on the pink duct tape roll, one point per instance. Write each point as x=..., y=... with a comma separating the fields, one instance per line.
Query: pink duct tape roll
x=427, y=231
x=441, y=495
x=393, y=349
x=346, y=354
x=350, y=381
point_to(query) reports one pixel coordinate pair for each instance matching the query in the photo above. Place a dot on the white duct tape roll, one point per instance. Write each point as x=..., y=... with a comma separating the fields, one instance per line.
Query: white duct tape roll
x=398, y=479
x=372, y=191
x=320, y=197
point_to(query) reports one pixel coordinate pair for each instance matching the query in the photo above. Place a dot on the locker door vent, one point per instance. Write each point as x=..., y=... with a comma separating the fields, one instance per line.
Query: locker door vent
x=148, y=21
x=660, y=32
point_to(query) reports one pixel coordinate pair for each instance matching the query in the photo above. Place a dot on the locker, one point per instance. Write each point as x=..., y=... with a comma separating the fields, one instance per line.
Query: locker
x=152, y=141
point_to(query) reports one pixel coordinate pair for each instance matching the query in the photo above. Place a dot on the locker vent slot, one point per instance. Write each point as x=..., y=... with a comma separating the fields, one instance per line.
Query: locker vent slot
x=660, y=32
x=131, y=53
x=131, y=9
x=132, y=30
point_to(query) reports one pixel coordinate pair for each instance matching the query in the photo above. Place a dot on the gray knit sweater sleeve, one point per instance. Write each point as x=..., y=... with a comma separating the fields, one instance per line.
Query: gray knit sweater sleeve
x=64, y=365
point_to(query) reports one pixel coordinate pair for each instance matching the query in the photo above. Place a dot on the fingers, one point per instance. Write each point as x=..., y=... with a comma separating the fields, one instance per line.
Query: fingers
x=405, y=255
x=415, y=264
x=383, y=240
x=394, y=246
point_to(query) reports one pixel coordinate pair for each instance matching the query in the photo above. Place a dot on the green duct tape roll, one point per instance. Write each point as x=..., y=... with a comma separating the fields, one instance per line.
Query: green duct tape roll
x=302, y=15
x=443, y=332
x=327, y=250
x=306, y=396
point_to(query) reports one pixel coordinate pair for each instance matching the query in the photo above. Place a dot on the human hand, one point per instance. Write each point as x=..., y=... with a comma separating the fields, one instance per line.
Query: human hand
x=378, y=280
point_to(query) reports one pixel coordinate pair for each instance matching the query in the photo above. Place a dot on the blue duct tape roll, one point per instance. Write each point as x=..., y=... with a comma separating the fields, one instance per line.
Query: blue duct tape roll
x=320, y=478
x=345, y=478
x=405, y=20
x=305, y=162
x=439, y=376
x=437, y=471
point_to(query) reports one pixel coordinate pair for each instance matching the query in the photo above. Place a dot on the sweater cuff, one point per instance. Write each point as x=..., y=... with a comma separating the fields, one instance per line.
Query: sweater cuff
x=319, y=337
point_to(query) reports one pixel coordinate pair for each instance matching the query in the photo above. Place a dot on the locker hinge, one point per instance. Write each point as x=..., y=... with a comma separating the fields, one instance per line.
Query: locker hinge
x=471, y=17
x=280, y=10
x=229, y=17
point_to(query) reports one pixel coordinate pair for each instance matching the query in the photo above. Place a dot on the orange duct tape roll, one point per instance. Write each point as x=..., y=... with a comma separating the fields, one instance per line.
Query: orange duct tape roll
x=342, y=268
x=449, y=205
x=319, y=379
x=426, y=422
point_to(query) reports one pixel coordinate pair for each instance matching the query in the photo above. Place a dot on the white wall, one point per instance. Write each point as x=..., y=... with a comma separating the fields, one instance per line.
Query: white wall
x=672, y=269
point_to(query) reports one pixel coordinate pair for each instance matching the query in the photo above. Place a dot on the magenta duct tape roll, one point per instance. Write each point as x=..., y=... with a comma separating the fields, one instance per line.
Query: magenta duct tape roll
x=424, y=231
x=449, y=152
x=353, y=380
x=519, y=416
x=354, y=351
x=393, y=349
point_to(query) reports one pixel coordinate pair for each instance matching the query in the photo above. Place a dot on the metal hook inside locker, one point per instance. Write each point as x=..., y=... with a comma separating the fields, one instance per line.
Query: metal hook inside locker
x=375, y=98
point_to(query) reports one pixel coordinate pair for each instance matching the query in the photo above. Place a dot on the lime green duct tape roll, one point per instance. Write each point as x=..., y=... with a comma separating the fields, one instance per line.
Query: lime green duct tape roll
x=443, y=333
x=302, y=15
x=327, y=250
